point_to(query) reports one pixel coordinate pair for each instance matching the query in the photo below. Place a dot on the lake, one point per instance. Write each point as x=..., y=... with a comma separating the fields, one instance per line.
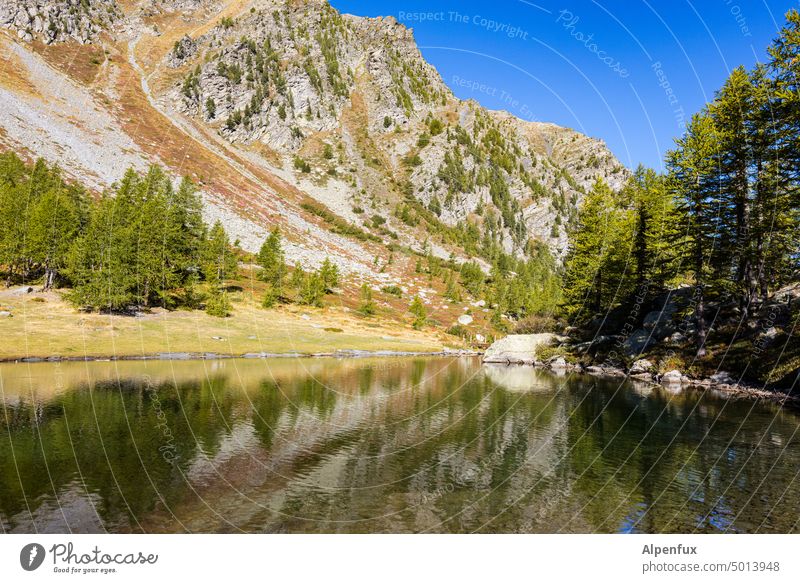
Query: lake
x=383, y=445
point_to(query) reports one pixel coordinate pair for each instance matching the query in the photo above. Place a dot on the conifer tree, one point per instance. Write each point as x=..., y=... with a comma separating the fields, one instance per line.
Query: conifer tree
x=419, y=312
x=367, y=306
x=329, y=274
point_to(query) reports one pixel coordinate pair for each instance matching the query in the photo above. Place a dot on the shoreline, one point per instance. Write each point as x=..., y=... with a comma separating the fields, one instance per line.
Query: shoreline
x=739, y=389
x=182, y=356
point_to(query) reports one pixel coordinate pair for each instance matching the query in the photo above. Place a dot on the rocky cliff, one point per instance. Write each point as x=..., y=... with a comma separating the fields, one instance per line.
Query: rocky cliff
x=288, y=112
x=350, y=104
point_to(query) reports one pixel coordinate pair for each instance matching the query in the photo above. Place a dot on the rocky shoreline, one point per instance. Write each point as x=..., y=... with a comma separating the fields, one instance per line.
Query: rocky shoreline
x=521, y=349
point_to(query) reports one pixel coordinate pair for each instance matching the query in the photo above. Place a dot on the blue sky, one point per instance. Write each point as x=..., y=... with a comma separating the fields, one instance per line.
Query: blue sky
x=630, y=73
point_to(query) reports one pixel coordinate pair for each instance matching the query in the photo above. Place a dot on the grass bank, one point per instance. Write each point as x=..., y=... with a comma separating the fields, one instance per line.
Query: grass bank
x=44, y=325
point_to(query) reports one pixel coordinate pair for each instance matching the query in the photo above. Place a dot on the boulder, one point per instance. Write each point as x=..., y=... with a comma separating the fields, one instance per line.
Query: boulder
x=517, y=348
x=465, y=319
x=673, y=377
x=722, y=378
x=557, y=363
x=641, y=366
x=636, y=342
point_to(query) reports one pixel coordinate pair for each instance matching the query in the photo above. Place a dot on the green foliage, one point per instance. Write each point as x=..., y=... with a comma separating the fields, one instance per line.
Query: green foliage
x=273, y=267
x=472, y=278
x=392, y=290
x=141, y=242
x=367, y=307
x=211, y=108
x=40, y=218
x=336, y=223
x=420, y=314
x=435, y=126
x=218, y=304
x=219, y=261
x=301, y=165
x=329, y=273
x=312, y=289
x=596, y=267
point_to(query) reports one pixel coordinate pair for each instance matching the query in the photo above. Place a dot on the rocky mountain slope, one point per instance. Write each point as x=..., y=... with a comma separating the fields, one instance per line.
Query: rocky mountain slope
x=287, y=112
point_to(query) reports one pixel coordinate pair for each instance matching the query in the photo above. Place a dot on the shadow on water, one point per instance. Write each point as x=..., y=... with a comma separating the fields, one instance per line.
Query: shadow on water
x=382, y=445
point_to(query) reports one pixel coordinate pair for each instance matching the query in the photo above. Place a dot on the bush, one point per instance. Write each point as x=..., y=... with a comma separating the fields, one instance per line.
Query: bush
x=301, y=165
x=460, y=331
x=392, y=290
x=535, y=324
x=218, y=304
x=367, y=307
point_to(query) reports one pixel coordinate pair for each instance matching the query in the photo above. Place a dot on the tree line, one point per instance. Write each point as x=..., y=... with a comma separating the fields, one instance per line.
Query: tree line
x=142, y=243
x=724, y=215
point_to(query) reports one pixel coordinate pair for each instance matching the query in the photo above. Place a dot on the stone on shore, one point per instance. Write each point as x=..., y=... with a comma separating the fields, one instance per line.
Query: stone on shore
x=673, y=377
x=517, y=348
x=641, y=366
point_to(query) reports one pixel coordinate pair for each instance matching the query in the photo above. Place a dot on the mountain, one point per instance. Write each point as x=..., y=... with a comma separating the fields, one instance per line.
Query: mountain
x=286, y=112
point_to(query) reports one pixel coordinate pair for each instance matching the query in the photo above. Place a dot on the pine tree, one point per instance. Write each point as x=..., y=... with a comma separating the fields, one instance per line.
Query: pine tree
x=219, y=262
x=597, y=273
x=312, y=289
x=692, y=174
x=273, y=267
x=329, y=274
x=417, y=309
x=367, y=306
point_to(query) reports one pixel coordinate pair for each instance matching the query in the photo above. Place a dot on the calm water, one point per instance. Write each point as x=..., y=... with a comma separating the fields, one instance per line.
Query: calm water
x=382, y=445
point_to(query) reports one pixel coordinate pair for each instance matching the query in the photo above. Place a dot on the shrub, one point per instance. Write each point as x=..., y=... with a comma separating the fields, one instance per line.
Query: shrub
x=392, y=290
x=301, y=165
x=367, y=307
x=535, y=324
x=218, y=304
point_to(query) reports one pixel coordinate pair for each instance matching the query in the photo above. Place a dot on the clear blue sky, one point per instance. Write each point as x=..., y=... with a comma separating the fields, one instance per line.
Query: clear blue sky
x=647, y=66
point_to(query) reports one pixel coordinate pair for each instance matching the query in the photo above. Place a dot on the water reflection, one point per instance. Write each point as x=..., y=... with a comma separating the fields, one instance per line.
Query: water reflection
x=382, y=445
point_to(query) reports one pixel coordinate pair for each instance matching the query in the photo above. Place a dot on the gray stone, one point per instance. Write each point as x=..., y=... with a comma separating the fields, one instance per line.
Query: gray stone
x=722, y=378
x=673, y=377
x=636, y=342
x=517, y=348
x=641, y=366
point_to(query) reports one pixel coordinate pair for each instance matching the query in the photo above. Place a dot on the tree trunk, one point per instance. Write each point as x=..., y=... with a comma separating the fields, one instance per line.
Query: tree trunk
x=700, y=322
x=49, y=278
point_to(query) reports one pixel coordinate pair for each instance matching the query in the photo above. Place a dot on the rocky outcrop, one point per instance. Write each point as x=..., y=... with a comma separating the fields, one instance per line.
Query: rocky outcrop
x=58, y=20
x=517, y=348
x=184, y=49
x=354, y=100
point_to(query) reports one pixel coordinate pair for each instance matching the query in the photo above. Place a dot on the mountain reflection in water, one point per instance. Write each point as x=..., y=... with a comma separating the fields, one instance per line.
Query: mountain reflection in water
x=382, y=445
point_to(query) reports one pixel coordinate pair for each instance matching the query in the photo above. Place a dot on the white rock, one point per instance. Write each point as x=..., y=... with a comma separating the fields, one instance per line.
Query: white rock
x=673, y=377
x=517, y=348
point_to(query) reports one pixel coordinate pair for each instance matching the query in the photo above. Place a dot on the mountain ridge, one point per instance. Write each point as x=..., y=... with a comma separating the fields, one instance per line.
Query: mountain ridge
x=437, y=195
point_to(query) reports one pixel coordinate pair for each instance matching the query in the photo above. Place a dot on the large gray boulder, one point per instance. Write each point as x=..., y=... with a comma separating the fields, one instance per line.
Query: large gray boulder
x=517, y=348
